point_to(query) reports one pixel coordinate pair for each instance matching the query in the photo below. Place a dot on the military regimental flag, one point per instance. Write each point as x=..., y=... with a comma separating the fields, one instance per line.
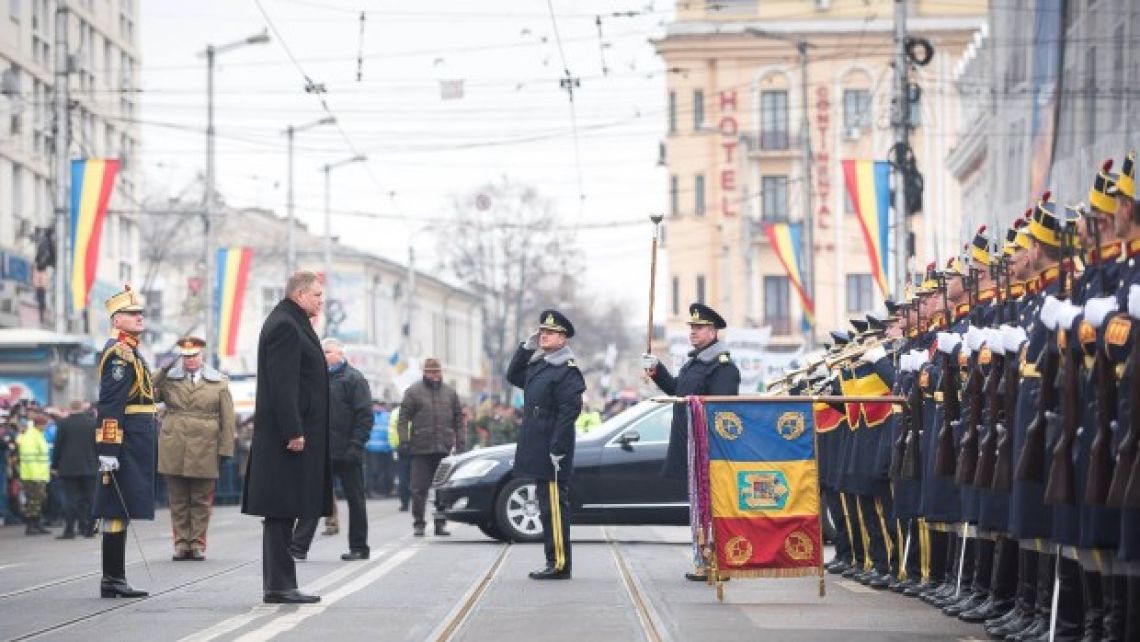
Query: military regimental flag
x=763, y=489
x=92, y=181
x=233, y=274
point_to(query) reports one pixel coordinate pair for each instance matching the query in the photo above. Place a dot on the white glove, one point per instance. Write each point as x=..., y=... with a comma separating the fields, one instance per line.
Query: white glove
x=1012, y=336
x=873, y=355
x=974, y=339
x=1097, y=309
x=905, y=361
x=531, y=342
x=557, y=461
x=1067, y=314
x=947, y=341
x=993, y=339
x=649, y=362
x=920, y=357
x=1134, y=301
x=108, y=463
x=1049, y=311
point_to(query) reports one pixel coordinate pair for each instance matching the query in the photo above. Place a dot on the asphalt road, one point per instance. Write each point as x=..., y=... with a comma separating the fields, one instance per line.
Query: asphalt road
x=627, y=586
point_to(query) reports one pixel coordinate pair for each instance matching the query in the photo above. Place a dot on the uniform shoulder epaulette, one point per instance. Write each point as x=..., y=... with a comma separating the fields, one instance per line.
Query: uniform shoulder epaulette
x=123, y=351
x=724, y=358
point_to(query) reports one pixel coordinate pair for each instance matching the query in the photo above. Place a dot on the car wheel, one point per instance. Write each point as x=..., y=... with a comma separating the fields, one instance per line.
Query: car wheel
x=492, y=530
x=516, y=511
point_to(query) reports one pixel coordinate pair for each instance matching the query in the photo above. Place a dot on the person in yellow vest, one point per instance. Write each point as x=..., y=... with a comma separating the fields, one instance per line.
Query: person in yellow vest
x=403, y=462
x=35, y=473
x=588, y=419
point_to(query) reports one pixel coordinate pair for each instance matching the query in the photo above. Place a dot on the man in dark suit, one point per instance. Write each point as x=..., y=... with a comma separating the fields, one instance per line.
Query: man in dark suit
x=289, y=473
x=74, y=462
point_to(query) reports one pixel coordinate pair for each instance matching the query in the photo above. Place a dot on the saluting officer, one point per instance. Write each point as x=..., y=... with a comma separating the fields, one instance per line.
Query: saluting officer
x=709, y=370
x=124, y=442
x=552, y=386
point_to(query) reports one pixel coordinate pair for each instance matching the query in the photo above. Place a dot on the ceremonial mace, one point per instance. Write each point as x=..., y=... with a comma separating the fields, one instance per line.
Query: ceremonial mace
x=656, y=218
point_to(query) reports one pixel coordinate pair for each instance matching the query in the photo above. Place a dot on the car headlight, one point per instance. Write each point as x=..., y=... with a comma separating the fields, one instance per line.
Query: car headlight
x=474, y=469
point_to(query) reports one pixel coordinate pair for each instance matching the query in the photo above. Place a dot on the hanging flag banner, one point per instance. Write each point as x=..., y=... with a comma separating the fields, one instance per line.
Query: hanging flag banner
x=868, y=185
x=233, y=275
x=787, y=243
x=92, y=181
x=756, y=488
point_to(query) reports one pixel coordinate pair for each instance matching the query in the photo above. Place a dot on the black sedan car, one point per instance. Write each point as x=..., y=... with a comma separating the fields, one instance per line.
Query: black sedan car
x=617, y=480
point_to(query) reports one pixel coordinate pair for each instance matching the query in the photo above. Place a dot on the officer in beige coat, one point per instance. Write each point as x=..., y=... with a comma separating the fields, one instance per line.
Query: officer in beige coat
x=197, y=431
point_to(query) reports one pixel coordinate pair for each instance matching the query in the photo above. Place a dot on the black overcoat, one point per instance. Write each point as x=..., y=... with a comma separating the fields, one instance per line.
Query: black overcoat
x=552, y=400
x=292, y=401
x=74, y=452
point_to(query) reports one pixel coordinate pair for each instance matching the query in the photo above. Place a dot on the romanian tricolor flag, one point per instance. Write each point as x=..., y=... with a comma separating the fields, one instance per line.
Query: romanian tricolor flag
x=233, y=274
x=868, y=184
x=787, y=243
x=762, y=495
x=92, y=180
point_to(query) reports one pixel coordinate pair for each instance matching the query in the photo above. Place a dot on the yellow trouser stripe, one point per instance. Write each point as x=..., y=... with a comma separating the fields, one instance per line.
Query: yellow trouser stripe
x=925, y=557
x=864, y=536
x=556, y=526
x=887, y=542
x=850, y=531
x=903, y=550
x=114, y=525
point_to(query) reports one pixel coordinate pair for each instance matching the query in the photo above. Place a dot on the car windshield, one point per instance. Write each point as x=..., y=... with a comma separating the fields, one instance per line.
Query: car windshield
x=605, y=431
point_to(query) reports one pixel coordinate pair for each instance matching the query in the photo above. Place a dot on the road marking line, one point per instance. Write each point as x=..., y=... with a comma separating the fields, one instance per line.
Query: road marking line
x=288, y=621
x=261, y=610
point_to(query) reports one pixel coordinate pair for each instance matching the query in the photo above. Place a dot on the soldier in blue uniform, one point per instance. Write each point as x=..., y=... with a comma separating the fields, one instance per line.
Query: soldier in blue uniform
x=125, y=441
x=709, y=370
x=552, y=386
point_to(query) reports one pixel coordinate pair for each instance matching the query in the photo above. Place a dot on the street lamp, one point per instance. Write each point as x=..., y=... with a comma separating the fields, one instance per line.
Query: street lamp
x=291, y=254
x=327, y=169
x=210, y=54
x=802, y=47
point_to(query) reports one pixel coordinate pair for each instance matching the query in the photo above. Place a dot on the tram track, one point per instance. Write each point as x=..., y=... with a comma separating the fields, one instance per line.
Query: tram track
x=122, y=604
x=647, y=616
x=453, y=622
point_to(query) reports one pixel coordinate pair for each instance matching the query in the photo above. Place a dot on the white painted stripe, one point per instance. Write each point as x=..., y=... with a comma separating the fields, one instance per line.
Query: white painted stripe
x=261, y=610
x=288, y=621
x=4, y=566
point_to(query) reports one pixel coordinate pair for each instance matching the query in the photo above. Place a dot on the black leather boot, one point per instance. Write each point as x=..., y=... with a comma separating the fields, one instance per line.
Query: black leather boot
x=1025, y=584
x=1114, y=588
x=114, y=580
x=1070, y=602
x=1093, y=598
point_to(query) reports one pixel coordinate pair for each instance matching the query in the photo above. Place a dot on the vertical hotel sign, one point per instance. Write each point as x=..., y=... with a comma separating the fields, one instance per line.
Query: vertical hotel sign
x=729, y=129
x=822, y=160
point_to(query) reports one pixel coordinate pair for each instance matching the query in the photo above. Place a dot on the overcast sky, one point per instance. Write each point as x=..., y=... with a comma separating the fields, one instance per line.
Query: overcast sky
x=513, y=119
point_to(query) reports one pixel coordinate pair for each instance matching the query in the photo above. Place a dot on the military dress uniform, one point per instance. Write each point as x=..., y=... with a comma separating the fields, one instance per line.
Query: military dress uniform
x=125, y=443
x=552, y=400
x=707, y=371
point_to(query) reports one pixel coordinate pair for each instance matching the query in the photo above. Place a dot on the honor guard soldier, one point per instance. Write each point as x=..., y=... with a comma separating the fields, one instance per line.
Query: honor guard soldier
x=552, y=387
x=709, y=370
x=125, y=441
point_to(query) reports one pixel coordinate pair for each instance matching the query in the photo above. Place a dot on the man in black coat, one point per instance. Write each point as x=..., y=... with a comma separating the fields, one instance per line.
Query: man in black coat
x=350, y=422
x=74, y=462
x=289, y=476
x=709, y=370
x=552, y=399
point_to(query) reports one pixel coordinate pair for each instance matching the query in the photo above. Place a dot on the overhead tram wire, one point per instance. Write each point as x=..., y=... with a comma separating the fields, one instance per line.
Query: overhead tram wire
x=570, y=83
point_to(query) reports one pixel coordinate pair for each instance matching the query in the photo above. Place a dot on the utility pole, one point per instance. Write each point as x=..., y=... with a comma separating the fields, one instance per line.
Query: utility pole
x=327, y=169
x=902, y=135
x=62, y=169
x=290, y=133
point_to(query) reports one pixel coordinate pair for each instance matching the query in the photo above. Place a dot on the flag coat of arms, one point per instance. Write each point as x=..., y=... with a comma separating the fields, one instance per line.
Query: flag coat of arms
x=760, y=501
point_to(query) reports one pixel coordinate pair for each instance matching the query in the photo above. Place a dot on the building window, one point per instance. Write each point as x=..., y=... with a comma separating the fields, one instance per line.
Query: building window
x=774, y=198
x=856, y=110
x=774, y=119
x=701, y=288
x=674, y=195
x=1118, y=74
x=152, y=309
x=777, y=304
x=676, y=295
x=672, y=112
x=860, y=298
x=699, y=194
x=698, y=109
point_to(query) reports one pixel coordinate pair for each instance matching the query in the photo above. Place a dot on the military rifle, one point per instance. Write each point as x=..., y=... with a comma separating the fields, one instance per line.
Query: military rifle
x=1003, y=430
x=967, y=464
x=1100, y=452
x=1060, y=487
x=992, y=393
x=1126, y=451
x=912, y=447
x=945, y=454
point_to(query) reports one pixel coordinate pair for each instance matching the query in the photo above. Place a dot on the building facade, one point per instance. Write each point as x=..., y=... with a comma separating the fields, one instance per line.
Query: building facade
x=368, y=305
x=735, y=153
x=1048, y=93
x=103, y=61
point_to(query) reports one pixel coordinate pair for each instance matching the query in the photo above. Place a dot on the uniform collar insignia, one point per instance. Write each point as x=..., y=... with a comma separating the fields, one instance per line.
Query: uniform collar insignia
x=127, y=338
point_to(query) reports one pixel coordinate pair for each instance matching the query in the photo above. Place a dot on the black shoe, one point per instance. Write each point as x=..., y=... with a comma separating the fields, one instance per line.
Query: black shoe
x=879, y=582
x=702, y=577
x=118, y=587
x=291, y=596
x=403, y=508
x=991, y=610
x=441, y=531
x=1036, y=629
x=298, y=555
x=966, y=604
x=181, y=556
x=549, y=573
x=354, y=556
x=418, y=531
x=851, y=572
x=1010, y=627
x=196, y=556
x=837, y=568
